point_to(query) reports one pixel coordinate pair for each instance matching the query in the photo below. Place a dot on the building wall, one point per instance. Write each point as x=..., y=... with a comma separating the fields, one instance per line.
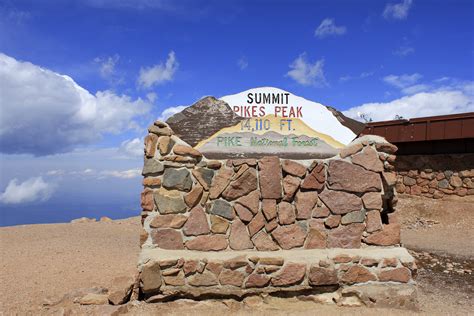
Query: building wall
x=435, y=176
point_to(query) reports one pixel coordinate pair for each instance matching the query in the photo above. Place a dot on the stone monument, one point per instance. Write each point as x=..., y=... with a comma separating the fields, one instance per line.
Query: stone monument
x=265, y=192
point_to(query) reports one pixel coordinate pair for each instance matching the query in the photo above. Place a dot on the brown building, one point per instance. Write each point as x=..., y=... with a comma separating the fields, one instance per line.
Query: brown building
x=435, y=154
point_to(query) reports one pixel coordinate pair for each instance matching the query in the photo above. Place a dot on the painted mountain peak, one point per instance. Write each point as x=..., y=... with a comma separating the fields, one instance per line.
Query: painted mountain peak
x=263, y=121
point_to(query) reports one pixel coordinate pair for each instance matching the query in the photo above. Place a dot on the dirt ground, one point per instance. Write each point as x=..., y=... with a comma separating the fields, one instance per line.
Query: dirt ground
x=42, y=263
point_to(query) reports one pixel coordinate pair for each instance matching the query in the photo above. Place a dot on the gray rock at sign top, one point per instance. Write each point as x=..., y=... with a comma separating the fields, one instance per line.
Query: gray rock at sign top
x=179, y=179
x=151, y=166
x=353, y=217
x=222, y=208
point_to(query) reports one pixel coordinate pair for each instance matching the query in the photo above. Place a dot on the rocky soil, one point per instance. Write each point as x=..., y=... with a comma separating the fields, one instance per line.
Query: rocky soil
x=48, y=269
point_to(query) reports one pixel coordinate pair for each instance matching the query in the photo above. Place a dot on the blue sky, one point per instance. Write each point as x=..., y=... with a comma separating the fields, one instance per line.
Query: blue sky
x=128, y=61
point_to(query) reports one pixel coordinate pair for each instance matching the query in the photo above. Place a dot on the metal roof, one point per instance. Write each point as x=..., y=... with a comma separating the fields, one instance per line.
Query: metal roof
x=433, y=128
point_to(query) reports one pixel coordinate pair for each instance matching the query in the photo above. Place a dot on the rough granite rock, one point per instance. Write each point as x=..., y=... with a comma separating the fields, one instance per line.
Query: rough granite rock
x=353, y=217
x=160, y=131
x=286, y=213
x=322, y=276
x=243, y=213
x=204, y=176
x=194, y=196
x=401, y=274
x=372, y=201
x=315, y=179
x=174, y=280
x=150, y=145
x=206, y=278
x=215, y=267
x=220, y=182
x=289, y=236
x=374, y=222
x=257, y=280
x=345, y=176
x=290, y=186
x=257, y=223
x=270, y=177
x=165, y=143
x=214, y=164
x=269, y=209
x=239, y=238
x=236, y=262
x=369, y=159
x=218, y=225
x=120, y=289
x=221, y=208
x=386, y=148
x=151, y=182
x=243, y=185
x=168, y=221
x=290, y=274
x=169, y=201
x=151, y=277
x=146, y=200
x=271, y=225
x=94, y=299
x=263, y=242
x=167, y=238
x=247, y=161
x=231, y=277
x=293, y=168
x=183, y=150
x=346, y=236
x=316, y=239
x=350, y=150
x=321, y=211
x=178, y=179
x=333, y=221
x=197, y=223
x=389, y=235
x=358, y=274
x=251, y=201
x=340, y=202
x=305, y=202
x=207, y=243
x=151, y=166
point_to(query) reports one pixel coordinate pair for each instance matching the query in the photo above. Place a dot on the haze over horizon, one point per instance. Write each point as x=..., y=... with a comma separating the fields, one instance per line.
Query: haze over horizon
x=81, y=80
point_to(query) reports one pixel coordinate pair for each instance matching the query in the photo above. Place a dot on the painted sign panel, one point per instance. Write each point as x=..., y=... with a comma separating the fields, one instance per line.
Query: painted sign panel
x=265, y=121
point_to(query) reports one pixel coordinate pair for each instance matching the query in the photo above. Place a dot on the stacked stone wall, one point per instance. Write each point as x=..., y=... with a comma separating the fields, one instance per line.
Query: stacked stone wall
x=266, y=204
x=269, y=224
x=435, y=176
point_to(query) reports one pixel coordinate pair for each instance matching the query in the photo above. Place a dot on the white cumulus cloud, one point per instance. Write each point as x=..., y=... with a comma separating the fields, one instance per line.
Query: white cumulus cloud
x=328, y=27
x=43, y=112
x=397, y=11
x=402, y=81
x=159, y=73
x=124, y=174
x=108, y=69
x=132, y=147
x=168, y=112
x=439, y=102
x=31, y=190
x=307, y=73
